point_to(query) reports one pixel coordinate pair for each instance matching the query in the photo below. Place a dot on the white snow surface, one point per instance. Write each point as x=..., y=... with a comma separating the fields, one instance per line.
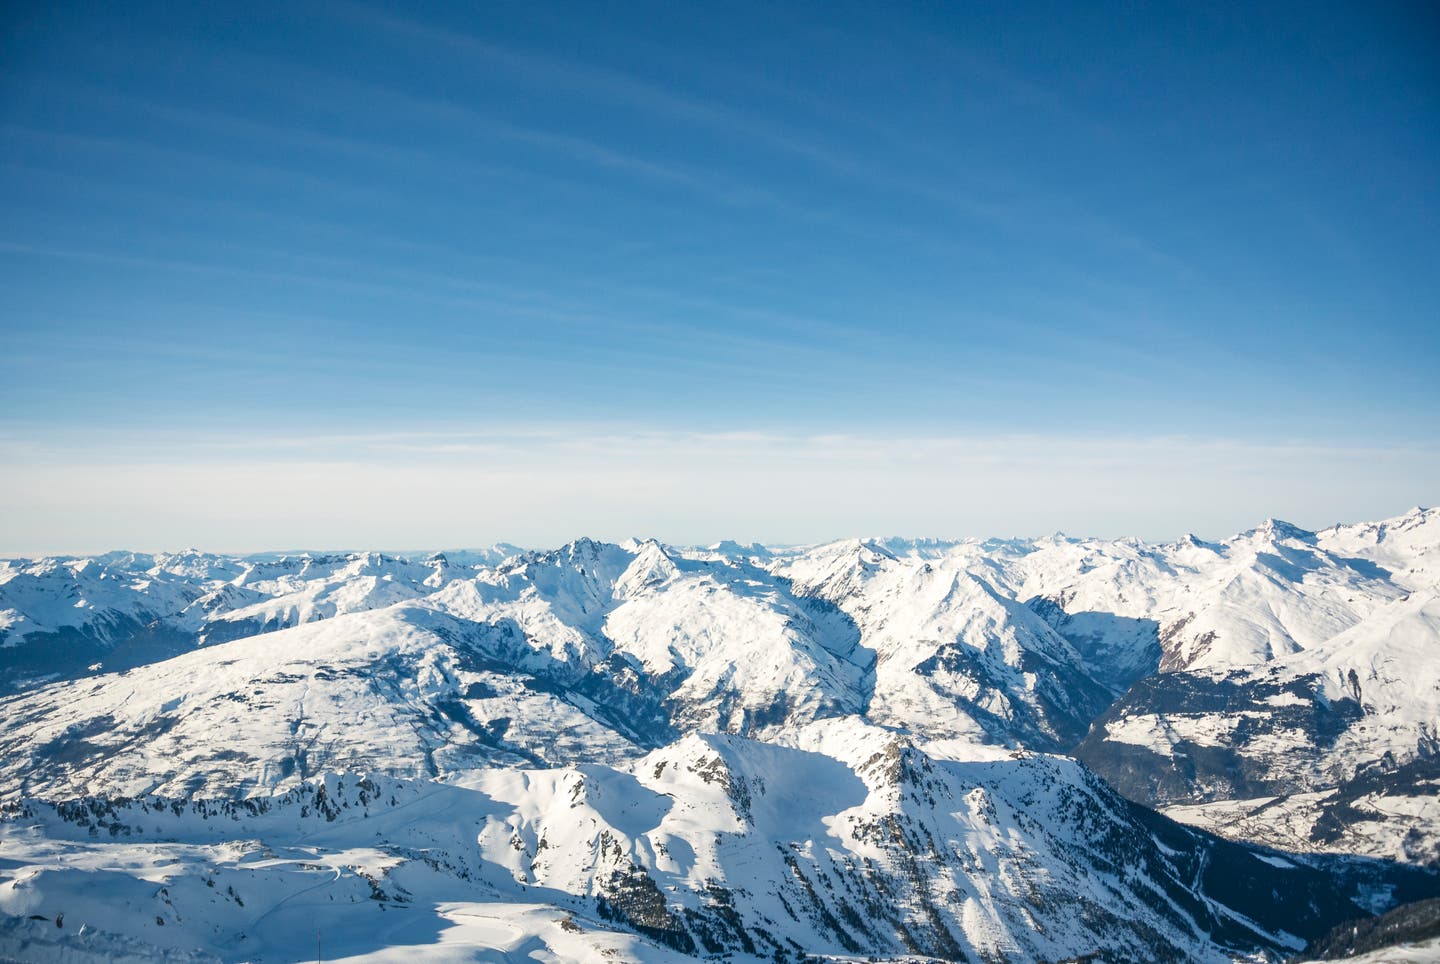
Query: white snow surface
x=605, y=751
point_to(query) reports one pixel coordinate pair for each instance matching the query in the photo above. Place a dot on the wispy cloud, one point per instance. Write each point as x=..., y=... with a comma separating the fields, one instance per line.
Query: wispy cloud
x=983, y=202
x=497, y=301
x=543, y=70
x=986, y=205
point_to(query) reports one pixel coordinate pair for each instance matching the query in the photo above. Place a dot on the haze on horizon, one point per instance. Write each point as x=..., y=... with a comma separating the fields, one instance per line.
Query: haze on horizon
x=371, y=275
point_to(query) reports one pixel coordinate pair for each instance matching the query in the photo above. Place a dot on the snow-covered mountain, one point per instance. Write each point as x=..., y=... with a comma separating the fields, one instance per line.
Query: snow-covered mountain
x=843, y=841
x=643, y=750
x=1332, y=747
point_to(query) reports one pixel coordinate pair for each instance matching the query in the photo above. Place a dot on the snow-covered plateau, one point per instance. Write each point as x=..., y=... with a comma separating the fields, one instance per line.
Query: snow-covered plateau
x=1000, y=750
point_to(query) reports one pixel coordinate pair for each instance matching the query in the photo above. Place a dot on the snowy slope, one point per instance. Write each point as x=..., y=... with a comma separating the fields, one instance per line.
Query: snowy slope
x=643, y=749
x=295, y=591
x=859, y=845
x=404, y=691
x=945, y=638
x=1267, y=592
x=1405, y=549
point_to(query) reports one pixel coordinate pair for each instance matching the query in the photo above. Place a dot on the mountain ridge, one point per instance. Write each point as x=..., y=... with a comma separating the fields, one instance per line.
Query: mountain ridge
x=930, y=672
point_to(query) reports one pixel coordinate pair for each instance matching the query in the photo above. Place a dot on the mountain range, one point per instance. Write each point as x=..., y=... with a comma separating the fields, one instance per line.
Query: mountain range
x=980, y=750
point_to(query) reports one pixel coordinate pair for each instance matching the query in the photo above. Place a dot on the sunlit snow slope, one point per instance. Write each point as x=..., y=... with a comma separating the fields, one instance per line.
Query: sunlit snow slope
x=646, y=751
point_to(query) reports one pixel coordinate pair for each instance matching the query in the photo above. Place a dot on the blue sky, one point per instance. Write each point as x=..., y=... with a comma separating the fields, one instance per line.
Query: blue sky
x=237, y=239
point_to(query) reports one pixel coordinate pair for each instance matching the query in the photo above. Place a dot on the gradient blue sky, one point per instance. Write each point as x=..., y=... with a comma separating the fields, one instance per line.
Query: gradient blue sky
x=255, y=241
